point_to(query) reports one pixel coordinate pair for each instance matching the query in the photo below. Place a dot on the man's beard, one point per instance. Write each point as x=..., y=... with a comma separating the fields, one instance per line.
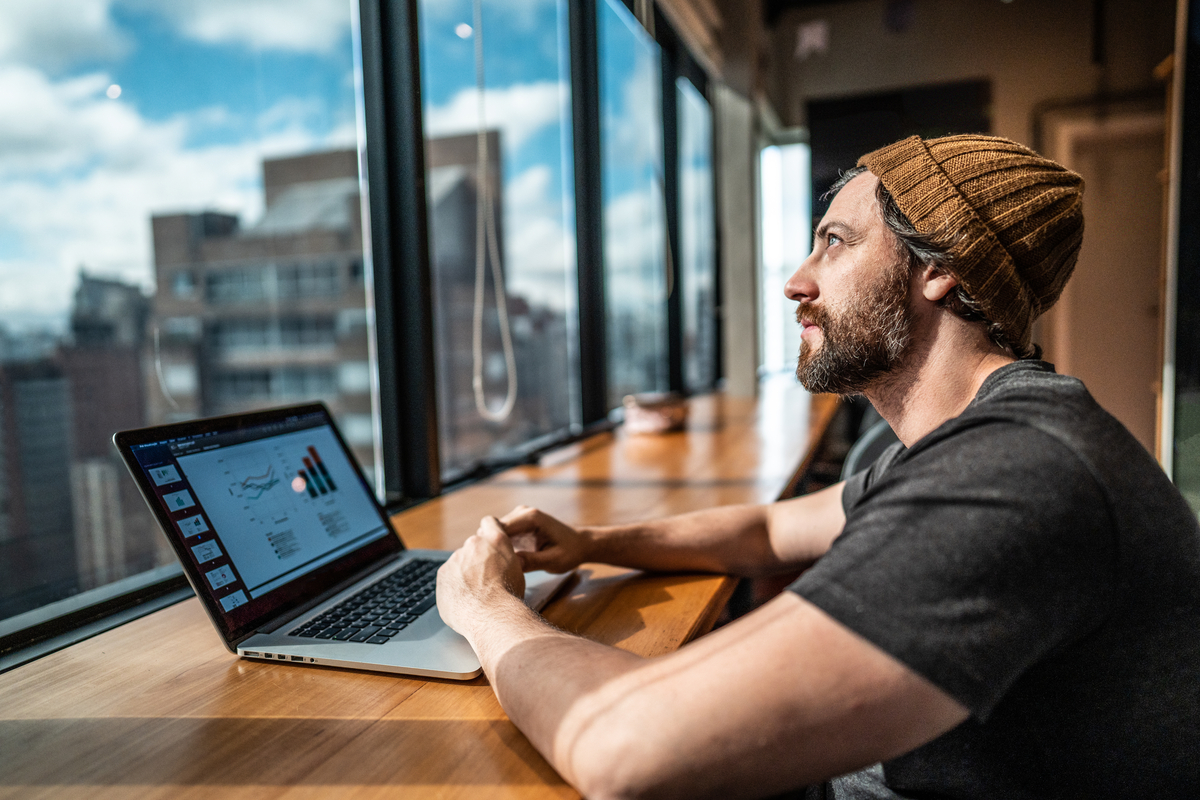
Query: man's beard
x=861, y=343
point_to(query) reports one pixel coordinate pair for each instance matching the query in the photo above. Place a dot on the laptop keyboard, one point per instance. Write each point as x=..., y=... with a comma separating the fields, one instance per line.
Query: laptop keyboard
x=381, y=610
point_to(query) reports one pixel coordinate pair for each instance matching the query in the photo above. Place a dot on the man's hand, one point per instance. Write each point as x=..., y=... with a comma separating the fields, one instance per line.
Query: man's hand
x=482, y=572
x=542, y=542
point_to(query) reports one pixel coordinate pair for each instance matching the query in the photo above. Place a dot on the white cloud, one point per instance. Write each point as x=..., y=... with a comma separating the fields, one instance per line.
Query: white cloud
x=522, y=14
x=51, y=127
x=309, y=26
x=538, y=248
x=519, y=111
x=635, y=248
x=53, y=34
x=81, y=175
x=633, y=132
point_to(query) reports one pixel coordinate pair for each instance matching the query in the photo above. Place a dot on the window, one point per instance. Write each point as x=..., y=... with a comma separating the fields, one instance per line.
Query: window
x=180, y=237
x=697, y=237
x=501, y=226
x=635, y=250
x=785, y=230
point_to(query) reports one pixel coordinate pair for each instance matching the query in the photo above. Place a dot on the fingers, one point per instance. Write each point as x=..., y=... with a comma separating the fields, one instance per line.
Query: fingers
x=532, y=560
x=520, y=518
x=491, y=531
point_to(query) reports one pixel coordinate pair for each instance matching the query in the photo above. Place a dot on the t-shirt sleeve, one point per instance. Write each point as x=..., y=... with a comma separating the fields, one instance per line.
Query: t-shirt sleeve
x=857, y=483
x=970, y=557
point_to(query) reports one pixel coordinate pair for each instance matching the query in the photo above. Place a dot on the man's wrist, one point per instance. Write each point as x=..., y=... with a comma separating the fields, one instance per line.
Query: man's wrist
x=589, y=545
x=495, y=625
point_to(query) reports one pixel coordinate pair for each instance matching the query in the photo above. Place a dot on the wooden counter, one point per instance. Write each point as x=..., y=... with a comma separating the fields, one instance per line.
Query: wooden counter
x=158, y=707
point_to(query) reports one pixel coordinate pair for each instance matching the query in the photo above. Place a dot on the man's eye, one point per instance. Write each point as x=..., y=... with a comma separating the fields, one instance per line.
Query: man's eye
x=831, y=239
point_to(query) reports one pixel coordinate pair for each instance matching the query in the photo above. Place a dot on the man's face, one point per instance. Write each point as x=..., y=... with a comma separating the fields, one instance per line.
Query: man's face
x=853, y=295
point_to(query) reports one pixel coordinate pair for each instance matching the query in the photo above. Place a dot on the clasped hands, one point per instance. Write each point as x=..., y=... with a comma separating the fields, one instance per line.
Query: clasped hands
x=489, y=569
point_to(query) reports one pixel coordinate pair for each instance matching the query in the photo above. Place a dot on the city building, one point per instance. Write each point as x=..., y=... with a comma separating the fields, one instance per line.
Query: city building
x=270, y=313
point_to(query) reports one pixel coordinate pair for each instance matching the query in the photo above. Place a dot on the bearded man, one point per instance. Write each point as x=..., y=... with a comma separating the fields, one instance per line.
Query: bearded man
x=1004, y=605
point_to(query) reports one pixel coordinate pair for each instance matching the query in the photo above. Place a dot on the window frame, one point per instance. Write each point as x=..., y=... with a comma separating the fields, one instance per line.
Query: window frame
x=396, y=268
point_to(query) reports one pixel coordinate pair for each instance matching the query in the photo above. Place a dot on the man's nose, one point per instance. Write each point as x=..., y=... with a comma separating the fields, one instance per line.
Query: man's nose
x=802, y=285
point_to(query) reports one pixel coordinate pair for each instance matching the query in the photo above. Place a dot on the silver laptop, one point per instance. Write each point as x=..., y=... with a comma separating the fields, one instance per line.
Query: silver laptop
x=288, y=550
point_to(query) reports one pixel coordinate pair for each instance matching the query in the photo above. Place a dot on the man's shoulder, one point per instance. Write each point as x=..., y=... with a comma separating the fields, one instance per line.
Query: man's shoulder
x=1030, y=396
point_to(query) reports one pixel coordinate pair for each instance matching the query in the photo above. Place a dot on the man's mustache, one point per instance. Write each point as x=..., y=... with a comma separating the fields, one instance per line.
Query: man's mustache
x=816, y=315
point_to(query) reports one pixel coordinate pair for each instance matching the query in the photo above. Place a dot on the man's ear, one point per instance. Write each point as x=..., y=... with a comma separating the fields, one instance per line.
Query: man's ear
x=936, y=283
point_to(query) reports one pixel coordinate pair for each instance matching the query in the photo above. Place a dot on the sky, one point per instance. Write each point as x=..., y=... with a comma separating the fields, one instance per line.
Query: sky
x=209, y=88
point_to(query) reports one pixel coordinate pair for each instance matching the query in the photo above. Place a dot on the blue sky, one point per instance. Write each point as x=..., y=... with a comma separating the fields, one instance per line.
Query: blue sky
x=211, y=87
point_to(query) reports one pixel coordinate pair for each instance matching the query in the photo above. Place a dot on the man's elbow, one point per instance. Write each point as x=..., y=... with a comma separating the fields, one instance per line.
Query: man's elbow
x=624, y=764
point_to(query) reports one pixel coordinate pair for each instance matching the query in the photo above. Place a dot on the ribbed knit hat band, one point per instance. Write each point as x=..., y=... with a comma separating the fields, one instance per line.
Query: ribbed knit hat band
x=1012, y=220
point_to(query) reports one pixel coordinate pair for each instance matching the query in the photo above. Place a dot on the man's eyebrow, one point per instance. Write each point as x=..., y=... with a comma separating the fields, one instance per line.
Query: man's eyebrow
x=825, y=227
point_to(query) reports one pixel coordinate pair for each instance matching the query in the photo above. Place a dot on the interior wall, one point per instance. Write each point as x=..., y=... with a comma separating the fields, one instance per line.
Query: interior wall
x=1041, y=57
x=1032, y=51
x=736, y=137
x=1105, y=327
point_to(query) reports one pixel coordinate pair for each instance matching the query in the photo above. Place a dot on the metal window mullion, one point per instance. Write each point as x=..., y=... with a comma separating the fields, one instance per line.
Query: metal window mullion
x=589, y=209
x=400, y=248
x=671, y=205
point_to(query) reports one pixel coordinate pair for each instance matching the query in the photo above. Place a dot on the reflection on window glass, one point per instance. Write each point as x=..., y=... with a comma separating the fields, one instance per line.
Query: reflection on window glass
x=697, y=238
x=179, y=237
x=635, y=265
x=502, y=228
x=785, y=219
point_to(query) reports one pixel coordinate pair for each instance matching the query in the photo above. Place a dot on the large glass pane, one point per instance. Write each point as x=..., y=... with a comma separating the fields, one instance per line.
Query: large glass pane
x=635, y=264
x=785, y=230
x=496, y=89
x=697, y=237
x=179, y=236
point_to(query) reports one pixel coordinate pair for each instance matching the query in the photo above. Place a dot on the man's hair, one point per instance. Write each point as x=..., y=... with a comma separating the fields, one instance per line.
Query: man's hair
x=925, y=250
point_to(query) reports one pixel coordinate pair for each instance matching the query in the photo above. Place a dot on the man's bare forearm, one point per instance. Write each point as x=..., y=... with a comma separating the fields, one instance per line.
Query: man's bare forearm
x=745, y=540
x=730, y=539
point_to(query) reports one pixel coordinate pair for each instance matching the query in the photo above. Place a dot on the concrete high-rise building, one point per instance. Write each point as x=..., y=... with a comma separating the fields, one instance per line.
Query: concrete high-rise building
x=37, y=551
x=269, y=314
x=115, y=535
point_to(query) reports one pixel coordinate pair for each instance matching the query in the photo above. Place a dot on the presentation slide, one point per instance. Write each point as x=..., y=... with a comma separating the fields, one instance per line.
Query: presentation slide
x=234, y=600
x=281, y=505
x=164, y=475
x=177, y=500
x=207, y=551
x=192, y=526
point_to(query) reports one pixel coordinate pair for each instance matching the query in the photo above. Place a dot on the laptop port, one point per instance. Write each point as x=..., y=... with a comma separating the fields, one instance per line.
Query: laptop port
x=297, y=658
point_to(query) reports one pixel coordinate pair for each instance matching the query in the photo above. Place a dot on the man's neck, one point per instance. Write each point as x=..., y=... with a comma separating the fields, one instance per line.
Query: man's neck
x=939, y=376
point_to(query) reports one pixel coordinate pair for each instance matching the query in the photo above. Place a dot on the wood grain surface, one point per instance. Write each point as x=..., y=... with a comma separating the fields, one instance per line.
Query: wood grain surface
x=159, y=708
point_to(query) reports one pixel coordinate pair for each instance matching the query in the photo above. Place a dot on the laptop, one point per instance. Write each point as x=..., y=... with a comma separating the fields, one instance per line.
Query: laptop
x=288, y=550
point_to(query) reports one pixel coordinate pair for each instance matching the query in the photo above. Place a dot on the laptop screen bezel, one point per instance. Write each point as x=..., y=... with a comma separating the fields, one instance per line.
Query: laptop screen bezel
x=233, y=626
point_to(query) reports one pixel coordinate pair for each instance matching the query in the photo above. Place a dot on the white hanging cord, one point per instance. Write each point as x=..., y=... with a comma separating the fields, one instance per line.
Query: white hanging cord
x=158, y=372
x=485, y=246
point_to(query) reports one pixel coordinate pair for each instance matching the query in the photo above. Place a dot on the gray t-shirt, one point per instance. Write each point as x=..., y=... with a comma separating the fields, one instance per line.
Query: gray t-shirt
x=1032, y=560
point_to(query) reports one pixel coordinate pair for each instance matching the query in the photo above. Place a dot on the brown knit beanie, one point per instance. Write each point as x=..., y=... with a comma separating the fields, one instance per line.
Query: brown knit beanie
x=1013, y=221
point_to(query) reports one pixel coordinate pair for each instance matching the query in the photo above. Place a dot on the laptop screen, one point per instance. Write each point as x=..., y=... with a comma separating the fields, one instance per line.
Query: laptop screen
x=262, y=509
